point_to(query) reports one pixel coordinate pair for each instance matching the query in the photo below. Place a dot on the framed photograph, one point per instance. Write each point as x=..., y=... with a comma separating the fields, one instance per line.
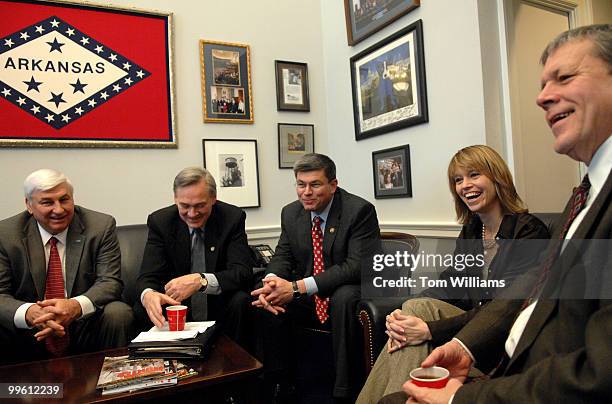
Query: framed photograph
x=388, y=82
x=365, y=17
x=294, y=141
x=391, y=169
x=234, y=165
x=291, y=86
x=75, y=74
x=226, y=82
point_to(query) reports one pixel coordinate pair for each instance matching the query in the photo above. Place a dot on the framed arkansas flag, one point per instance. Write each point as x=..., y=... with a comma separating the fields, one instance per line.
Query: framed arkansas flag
x=83, y=75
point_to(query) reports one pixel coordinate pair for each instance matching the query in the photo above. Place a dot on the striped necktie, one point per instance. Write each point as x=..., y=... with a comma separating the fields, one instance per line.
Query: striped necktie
x=57, y=346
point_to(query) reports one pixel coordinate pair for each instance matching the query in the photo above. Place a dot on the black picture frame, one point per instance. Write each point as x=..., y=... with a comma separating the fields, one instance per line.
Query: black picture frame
x=388, y=83
x=392, y=173
x=235, y=166
x=363, y=19
x=294, y=141
x=292, y=86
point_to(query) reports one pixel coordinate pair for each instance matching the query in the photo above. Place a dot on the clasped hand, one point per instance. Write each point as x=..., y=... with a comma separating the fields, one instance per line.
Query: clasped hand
x=52, y=316
x=274, y=294
x=405, y=330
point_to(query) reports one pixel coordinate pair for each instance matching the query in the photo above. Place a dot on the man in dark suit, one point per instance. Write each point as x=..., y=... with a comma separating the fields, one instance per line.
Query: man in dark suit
x=327, y=236
x=59, y=276
x=556, y=346
x=197, y=254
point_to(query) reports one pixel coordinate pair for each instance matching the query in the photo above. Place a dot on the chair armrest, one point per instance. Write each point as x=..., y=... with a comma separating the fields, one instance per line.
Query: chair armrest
x=372, y=313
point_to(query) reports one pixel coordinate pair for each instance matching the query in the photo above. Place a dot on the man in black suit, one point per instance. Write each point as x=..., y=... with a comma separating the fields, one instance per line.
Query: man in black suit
x=554, y=347
x=197, y=254
x=60, y=276
x=327, y=236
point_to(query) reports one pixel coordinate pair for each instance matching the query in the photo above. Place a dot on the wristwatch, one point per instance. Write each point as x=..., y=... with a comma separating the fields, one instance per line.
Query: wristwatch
x=203, y=282
x=296, y=290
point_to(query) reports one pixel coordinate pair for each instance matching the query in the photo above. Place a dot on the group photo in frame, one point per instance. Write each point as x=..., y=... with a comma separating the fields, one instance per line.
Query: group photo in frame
x=294, y=141
x=93, y=81
x=226, y=82
x=365, y=17
x=291, y=86
x=234, y=165
x=388, y=82
x=392, y=174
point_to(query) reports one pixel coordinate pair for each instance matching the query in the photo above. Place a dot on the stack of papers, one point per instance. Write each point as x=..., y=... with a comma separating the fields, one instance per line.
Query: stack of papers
x=191, y=330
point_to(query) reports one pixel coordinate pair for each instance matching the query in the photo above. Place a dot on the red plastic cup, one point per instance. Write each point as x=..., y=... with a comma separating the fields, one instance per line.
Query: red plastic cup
x=434, y=377
x=176, y=317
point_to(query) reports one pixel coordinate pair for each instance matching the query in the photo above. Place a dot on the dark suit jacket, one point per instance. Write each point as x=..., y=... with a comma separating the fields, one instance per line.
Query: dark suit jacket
x=351, y=236
x=167, y=253
x=93, y=261
x=565, y=352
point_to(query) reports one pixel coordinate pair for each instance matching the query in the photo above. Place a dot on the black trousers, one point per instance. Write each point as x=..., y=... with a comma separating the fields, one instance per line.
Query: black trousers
x=276, y=337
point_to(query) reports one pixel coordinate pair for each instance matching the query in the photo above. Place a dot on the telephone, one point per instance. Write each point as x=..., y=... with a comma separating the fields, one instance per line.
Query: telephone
x=262, y=253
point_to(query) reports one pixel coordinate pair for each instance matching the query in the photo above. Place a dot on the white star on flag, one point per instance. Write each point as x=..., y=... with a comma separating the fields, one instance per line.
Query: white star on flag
x=21, y=100
x=70, y=31
x=84, y=41
x=35, y=109
x=128, y=81
x=24, y=36
x=9, y=42
x=49, y=118
x=113, y=57
x=92, y=103
x=140, y=74
x=116, y=88
x=40, y=29
x=127, y=66
x=65, y=118
x=6, y=92
x=78, y=110
x=104, y=95
x=99, y=49
x=54, y=23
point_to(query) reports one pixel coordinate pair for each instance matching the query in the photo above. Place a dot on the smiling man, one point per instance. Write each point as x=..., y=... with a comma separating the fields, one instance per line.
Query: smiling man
x=197, y=254
x=314, y=279
x=59, y=276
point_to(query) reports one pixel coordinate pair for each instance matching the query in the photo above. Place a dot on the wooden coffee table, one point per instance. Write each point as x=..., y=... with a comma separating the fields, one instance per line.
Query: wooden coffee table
x=229, y=370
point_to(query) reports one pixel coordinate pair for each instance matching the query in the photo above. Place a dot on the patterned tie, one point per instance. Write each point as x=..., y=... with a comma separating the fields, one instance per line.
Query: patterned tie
x=579, y=198
x=321, y=305
x=199, y=303
x=57, y=346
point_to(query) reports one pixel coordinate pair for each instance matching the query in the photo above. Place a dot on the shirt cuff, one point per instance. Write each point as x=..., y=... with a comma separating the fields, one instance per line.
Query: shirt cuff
x=143, y=293
x=213, y=287
x=311, y=286
x=466, y=350
x=87, y=307
x=20, y=316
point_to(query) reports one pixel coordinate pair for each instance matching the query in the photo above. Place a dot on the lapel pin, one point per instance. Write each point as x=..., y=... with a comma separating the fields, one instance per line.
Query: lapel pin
x=332, y=229
x=212, y=248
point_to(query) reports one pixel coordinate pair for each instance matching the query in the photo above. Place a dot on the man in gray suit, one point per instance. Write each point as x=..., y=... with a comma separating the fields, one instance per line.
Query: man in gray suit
x=59, y=276
x=327, y=237
x=556, y=346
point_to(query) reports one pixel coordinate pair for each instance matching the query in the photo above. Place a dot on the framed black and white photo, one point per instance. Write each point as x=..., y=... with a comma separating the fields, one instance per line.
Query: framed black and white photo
x=291, y=86
x=388, y=81
x=233, y=163
x=294, y=141
x=391, y=169
x=365, y=17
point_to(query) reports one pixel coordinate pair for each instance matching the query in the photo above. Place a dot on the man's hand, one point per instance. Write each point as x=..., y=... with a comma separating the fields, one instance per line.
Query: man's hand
x=451, y=356
x=47, y=328
x=183, y=287
x=152, y=302
x=431, y=396
x=267, y=292
x=63, y=311
x=405, y=330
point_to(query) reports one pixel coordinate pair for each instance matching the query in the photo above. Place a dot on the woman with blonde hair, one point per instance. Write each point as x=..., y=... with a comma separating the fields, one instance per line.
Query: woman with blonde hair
x=491, y=211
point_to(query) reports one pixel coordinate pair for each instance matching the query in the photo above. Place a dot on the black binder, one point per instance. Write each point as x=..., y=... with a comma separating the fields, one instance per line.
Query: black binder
x=193, y=348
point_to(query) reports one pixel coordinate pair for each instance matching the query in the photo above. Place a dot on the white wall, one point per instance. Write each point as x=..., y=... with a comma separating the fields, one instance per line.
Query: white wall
x=129, y=183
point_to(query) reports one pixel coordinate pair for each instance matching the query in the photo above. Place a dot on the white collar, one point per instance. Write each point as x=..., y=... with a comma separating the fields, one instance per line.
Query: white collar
x=601, y=164
x=45, y=235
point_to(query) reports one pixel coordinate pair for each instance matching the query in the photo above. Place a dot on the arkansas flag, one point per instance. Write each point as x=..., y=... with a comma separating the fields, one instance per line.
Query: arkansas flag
x=72, y=74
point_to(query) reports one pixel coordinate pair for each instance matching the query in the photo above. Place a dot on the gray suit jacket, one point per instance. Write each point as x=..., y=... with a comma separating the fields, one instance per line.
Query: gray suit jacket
x=565, y=352
x=93, y=261
x=351, y=236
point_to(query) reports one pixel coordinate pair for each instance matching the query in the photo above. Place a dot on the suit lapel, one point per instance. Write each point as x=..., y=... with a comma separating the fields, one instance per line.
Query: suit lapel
x=75, y=242
x=304, y=230
x=333, y=222
x=210, y=241
x=182, y=246
x=35, y=252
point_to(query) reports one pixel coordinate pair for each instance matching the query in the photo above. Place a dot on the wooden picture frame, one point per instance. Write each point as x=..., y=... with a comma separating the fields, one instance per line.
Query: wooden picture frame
x=291, y=86
x=388, y=81
x=392, y=173
x=225, y=70
x=364, y=17
x=94, y=76
x=234, y=165
x=294, y=141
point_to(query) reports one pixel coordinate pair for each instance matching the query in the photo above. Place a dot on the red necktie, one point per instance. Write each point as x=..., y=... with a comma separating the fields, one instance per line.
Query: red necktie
x=579, y=198
x=55, y=290
x=321, y=305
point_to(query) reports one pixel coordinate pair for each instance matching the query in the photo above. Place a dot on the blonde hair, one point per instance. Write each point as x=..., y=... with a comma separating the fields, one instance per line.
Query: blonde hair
x=489, y=163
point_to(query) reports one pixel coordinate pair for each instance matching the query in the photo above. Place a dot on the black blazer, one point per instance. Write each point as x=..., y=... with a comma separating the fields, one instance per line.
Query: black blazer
x=351, y=236
x=565, y=352
x=167, y=253
x=513, y=258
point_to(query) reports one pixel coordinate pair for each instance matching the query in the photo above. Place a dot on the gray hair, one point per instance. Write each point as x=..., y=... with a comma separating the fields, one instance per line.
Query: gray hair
x=314, y=162
x=599, y=34
x=192, y=175
x=44, y=180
